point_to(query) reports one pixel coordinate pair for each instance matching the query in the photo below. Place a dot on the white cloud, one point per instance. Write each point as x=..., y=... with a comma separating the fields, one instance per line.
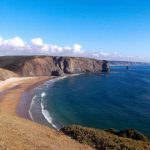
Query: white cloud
x=45, y=48
x=17, y=46
x=15, y=42
x=67, y=48
x=1, y=41
x=77, y=48
x=37, y=42
x=36, y=46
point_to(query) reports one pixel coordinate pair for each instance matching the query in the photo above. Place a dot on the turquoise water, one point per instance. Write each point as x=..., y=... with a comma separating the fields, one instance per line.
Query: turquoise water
x=118, y=100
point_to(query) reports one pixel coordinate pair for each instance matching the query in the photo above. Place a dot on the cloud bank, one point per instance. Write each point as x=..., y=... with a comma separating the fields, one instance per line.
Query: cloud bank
x=17, y=46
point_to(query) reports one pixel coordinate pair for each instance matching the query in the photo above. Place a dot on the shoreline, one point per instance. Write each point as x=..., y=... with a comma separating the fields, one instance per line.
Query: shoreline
x=11, y=91
x=42, y=115
x=21, y=133
x=23, y=90
x=26, y=100
x=45, y=113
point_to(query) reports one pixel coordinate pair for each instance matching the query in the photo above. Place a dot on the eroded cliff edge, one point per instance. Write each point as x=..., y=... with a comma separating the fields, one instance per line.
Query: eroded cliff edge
x=50, y=65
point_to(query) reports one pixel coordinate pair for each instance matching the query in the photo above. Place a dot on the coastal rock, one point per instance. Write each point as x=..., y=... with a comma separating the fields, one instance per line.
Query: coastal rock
x=57, y=73
x=105, y=66
x=51, y=65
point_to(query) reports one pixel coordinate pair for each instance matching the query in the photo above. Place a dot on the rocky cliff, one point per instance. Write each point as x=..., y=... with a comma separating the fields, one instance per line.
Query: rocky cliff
x=50, y=65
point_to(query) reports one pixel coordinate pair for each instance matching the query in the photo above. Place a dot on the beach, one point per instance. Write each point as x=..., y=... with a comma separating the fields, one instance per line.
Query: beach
x=19, y=133
x=11, y=93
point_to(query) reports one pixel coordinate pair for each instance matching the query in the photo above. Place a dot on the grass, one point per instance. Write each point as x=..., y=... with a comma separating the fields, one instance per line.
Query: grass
x=21, y=134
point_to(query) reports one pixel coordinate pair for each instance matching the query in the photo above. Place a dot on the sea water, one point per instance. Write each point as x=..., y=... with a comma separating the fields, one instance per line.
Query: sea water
x=119, y=99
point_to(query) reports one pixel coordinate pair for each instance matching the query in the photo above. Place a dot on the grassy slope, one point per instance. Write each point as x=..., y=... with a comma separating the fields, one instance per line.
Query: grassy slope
x=20, y=134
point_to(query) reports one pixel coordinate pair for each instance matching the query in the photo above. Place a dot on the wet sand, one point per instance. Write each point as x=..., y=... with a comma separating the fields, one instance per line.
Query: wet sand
x=11, y=92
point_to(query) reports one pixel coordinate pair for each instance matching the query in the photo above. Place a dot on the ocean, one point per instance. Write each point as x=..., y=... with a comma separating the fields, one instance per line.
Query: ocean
x=119, y=99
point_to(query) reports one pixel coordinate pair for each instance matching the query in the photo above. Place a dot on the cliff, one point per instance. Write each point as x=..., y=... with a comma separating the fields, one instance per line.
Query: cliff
x=50, y=65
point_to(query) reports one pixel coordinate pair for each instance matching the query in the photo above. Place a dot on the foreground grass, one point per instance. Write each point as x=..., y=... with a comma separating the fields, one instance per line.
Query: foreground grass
x=108, y=140
x=20, y=134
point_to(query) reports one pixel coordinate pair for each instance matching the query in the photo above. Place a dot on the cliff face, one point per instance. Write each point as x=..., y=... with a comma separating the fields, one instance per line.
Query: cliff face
x=49, y=65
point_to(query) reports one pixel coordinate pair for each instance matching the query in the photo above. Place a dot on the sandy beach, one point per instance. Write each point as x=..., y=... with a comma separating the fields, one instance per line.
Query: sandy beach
x=11, y=91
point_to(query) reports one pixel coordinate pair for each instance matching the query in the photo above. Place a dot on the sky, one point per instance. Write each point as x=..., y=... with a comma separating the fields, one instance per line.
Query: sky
x=103, y=29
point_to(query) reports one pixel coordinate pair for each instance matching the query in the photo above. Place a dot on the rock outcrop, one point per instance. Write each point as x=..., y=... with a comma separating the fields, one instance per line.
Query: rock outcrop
x=105, y=66
x=50, y=65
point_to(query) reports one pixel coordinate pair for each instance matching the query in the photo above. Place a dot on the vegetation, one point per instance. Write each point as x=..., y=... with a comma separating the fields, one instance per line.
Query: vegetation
x=129, y=133
x=108, y=140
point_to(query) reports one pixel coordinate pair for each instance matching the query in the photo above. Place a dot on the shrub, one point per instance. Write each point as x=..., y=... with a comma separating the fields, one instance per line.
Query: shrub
x=109, y=139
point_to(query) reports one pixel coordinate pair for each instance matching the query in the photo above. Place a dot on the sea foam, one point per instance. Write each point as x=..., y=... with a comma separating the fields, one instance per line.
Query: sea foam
x=43, y=94
x=30, y=112
x=46, y=113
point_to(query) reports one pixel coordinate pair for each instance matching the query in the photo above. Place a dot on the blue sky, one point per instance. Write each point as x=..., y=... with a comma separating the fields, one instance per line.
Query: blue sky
x=108, y=27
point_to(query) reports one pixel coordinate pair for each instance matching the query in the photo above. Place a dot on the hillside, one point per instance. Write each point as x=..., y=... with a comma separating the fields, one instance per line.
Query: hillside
x=20, y=134
x=108, y=139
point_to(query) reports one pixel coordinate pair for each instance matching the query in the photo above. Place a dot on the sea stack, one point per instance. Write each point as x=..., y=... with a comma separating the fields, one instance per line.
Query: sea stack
x=105, y=66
